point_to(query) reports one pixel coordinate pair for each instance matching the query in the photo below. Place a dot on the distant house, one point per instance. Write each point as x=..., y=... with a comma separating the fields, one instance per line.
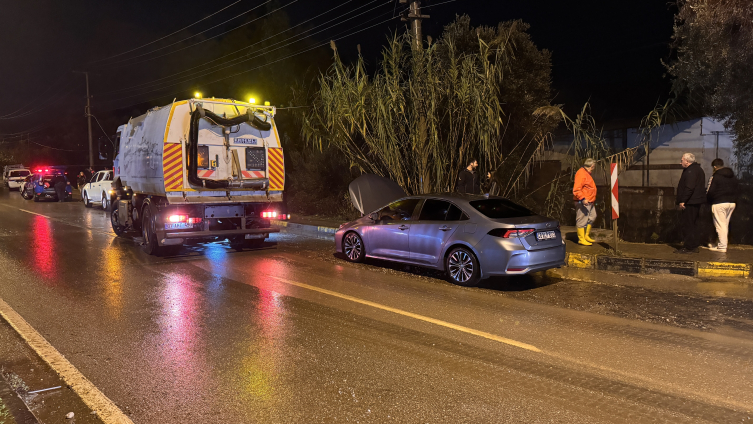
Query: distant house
x=706, y=138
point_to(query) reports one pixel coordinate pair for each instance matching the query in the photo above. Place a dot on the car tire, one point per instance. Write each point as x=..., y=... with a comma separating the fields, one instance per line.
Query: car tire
x=115, y=222
x=25, y=194
x=150, y=246
x=462, y=268
x=353, y=247
x=87, y=203
x=105, y=202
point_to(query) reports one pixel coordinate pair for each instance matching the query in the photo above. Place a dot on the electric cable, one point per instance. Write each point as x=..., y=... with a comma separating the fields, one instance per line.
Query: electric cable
x=239, y=61
x=168, y=35
x=14, y=113
x=244, y=48
x=110, y=65
x=267, y=64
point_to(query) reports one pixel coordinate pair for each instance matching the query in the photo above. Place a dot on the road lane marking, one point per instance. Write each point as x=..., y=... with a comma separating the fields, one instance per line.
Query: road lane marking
x=468, y=330
x=62, y=221
x=85, y=389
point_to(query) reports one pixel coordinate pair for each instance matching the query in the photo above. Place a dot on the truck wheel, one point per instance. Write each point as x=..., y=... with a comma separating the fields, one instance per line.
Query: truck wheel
x=87, y=203
x=150, y=245
x=116, y=227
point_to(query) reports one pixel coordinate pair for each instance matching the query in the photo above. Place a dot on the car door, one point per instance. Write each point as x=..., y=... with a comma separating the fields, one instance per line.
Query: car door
x=437, y=222
x=105, y=184
x=95, y=191
x=388, y=237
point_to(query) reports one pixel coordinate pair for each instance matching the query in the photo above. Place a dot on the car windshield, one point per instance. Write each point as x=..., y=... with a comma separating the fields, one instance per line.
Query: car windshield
x=500, y=208
x=19, y=173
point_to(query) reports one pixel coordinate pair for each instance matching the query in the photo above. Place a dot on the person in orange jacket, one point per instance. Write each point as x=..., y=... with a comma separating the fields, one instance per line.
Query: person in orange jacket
x=584, y=196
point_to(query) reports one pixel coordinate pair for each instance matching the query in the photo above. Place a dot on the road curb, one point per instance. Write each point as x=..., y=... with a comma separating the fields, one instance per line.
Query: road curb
x=593, y=261
x=657, y=266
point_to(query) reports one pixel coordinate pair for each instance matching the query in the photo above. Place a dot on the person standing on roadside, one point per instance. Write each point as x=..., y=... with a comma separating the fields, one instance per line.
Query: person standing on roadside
x=81, y=180
x=584, y=196
x=468, y=180
x=691, y=194
x=722, y=195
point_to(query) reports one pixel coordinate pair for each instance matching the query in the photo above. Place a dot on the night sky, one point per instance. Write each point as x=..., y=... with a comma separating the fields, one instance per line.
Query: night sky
x=607, y=52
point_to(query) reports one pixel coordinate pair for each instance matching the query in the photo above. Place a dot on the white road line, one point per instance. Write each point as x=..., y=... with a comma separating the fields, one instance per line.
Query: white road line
x=88, y=392
x=483, y=334
x=61, y=221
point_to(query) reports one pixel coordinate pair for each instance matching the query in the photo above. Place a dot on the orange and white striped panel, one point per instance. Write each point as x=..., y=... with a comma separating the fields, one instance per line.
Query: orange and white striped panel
x=276, y=168
x=172, y=166
x=253, y=174
x=205, y=173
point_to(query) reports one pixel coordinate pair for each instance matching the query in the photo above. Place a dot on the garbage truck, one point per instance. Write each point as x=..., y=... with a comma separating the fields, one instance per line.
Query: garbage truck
x=198, y=170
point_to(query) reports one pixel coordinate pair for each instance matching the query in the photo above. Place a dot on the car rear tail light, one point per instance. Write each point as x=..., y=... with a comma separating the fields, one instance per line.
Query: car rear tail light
x=194, y=220
x=177, y=218
x=510, y=232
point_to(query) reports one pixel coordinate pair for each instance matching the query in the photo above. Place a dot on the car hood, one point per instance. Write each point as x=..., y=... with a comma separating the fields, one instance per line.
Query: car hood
x=370, y=192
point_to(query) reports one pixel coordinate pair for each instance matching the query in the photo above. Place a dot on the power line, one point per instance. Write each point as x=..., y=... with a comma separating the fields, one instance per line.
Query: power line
x=239, y=59
x=110, y=65
x=168, y=35
x=244, y=48
x=58, y=98
x=33, y=100
x=270, y=63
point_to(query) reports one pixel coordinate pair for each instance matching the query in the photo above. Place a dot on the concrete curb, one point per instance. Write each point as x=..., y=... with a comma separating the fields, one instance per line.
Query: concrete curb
x=592, y=261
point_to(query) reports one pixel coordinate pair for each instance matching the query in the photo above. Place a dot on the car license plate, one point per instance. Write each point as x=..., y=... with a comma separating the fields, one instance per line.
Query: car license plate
x=546, y=235
x=178, y=226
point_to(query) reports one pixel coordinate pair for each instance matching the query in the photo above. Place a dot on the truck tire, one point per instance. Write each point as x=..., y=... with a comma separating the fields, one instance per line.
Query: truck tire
x=116, y=227
x=87, y=203
x=150, y=245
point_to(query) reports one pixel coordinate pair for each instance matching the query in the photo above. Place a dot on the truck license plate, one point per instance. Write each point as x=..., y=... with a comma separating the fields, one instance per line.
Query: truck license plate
x=178, y=226
x=546, y=235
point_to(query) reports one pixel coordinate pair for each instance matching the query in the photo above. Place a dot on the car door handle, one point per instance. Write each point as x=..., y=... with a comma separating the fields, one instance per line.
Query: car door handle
x=403, y=227
x=445, y=228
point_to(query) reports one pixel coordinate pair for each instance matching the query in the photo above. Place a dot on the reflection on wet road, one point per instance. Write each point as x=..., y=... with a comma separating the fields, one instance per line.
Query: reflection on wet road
x=291, y=333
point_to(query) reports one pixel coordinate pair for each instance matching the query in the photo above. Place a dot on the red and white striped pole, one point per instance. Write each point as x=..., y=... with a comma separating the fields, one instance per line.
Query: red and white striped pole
x=615, y=203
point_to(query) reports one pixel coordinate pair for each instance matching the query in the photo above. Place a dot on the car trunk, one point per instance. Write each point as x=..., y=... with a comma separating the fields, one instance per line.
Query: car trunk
x=541, y=226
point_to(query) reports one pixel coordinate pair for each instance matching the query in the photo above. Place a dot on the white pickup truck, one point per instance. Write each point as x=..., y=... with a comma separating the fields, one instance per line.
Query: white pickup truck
x=98, y=190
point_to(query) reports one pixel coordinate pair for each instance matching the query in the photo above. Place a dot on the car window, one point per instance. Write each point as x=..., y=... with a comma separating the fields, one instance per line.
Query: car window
x=107, y=177
x=434, y=210
x=402, y=210
x=19, y=173
x=500, y=208
x=455, y=214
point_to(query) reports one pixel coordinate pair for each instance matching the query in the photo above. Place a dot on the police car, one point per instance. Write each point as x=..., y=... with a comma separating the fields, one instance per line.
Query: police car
x=40, y=186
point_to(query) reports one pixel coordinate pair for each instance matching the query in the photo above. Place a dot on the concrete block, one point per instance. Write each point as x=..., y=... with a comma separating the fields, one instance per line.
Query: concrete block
x=723, y=269
x=610, y=263
x=580, y=260
x=658, y=266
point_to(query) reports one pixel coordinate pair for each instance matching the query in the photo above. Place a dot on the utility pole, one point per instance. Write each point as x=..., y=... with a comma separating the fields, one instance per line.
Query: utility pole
x=88, y=118
x=414, y=16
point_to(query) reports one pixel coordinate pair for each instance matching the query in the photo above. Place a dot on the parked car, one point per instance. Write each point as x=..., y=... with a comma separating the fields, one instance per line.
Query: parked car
x=470, y=237
x=7, y=170
x=38, y=187
x=16, y=178
x=98, y=190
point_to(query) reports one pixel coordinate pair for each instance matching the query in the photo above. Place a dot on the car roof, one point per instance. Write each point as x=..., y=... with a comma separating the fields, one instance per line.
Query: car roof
x=455, y=196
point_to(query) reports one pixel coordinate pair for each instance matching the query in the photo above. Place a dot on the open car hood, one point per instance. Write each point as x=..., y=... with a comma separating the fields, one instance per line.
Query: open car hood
x=370, y=192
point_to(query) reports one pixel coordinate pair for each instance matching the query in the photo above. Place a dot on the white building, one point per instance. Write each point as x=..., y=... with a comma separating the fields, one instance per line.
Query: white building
x=706, y=138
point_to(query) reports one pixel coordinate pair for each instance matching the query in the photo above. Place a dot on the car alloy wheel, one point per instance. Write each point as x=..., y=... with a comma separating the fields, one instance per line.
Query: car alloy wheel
x=462, y=267
x=105, y=202
x=353, y=247
x=87, y=203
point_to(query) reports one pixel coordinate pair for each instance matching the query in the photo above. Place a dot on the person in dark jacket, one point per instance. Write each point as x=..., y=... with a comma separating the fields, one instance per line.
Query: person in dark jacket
x=722, y=195
x=468, y=180
x=691, y=194
x=58, y=182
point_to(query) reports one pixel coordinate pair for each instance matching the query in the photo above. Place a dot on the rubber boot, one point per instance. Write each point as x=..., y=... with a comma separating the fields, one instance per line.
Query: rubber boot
x=588, y=235
x=582, y=237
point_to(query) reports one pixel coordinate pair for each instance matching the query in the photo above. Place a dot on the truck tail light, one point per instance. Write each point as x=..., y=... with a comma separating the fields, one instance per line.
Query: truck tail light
x=510, y=233
x=177, y=218
x=269, y=214
x=194, y=220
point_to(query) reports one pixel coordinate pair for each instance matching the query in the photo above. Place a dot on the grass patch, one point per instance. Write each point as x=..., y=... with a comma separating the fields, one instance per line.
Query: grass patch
x=5, y=416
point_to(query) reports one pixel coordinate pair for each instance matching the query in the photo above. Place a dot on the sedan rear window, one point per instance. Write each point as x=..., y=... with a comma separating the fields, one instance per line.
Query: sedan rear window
x=500, y=208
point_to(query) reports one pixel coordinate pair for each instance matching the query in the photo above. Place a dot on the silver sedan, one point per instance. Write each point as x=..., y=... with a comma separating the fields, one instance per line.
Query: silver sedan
x=469, y=237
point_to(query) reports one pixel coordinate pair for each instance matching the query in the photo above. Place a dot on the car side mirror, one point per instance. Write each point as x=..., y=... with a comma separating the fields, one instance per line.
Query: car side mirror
x=374, y=216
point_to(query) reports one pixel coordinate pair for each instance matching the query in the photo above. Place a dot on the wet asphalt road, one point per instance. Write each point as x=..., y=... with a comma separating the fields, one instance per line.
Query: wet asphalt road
x=291, y=333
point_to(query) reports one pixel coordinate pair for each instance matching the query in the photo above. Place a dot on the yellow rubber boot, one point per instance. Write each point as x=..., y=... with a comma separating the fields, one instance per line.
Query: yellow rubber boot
x=588, y=235
x=582, y=237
